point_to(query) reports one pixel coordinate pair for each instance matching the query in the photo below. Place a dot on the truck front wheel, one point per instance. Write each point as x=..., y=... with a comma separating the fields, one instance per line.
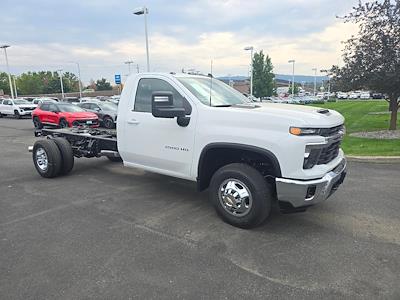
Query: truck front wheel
x=241, y=195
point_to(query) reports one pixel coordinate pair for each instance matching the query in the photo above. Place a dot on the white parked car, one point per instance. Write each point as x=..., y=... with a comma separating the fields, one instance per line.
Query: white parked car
x=88, y=99
x=342, y=95
x=38, y=101
x=18, y=107
x=353, y=95
x=365, y=95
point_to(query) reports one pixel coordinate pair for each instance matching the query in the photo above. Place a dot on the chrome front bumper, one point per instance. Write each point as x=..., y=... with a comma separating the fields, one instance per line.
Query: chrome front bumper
x=308, y=192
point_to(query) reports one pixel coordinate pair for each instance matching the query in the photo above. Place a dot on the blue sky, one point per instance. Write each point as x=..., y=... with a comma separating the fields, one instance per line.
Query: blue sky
x=101, y=34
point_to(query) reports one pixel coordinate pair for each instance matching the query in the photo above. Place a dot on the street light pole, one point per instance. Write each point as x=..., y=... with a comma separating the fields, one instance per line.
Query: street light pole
x=144, y=11
x=62, y=85
x=15, y=86
x=292, y=61
x=79, y=77
x=8, y=69
x=129, y=62
x=329, y=82
x=315, y=81
x=251, y=48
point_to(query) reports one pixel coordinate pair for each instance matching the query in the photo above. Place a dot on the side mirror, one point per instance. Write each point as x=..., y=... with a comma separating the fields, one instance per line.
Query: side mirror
x=162, y=106
x=55, y=111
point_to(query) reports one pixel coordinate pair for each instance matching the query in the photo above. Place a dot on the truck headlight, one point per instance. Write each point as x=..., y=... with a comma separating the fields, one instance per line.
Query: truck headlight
x=304, y=131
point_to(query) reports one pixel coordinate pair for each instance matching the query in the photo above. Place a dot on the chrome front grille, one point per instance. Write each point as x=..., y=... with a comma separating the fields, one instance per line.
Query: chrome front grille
x=324, y=153
x=328, y=132
x=329, y=153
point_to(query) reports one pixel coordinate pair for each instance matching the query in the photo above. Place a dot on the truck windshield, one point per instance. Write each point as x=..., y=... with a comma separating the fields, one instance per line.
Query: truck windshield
x=221, y=93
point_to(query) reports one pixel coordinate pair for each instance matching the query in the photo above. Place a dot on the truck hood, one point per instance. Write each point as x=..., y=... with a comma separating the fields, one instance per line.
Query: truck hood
x=300, y=115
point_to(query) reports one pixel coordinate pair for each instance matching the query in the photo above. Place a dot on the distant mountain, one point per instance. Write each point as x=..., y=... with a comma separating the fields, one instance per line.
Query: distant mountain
x=297, y=78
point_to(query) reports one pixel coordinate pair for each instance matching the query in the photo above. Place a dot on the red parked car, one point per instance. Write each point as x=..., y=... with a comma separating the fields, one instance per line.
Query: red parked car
x=62, y=115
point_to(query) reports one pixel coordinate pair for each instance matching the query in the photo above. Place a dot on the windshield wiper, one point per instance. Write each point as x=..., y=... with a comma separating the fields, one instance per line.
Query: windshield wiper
x=222, y=105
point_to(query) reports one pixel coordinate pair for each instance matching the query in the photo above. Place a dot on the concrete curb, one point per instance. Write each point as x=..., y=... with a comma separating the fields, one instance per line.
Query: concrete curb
x=374, y=159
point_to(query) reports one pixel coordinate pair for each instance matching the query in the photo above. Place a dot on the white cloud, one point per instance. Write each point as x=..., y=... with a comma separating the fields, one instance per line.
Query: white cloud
x=176, y=44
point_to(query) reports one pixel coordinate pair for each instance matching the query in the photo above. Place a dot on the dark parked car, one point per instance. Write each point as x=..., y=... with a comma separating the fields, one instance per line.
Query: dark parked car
x=106, y=111
x=377, y=96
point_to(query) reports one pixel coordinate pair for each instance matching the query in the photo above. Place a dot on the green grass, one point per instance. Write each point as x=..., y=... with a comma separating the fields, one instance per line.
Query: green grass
x=358, y=119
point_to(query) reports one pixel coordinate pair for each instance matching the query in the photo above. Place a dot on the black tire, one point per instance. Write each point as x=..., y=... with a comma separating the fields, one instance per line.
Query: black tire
x=108, y=122
x=63, y=123
x=259, y=190
x=67, y=155
x=17, y=115
x=36, y=123
x=114, y=159
x=1, y=115
x=53, y=155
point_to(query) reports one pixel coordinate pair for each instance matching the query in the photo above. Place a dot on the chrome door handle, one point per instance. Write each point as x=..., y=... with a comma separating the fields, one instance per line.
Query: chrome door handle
x=133, y=122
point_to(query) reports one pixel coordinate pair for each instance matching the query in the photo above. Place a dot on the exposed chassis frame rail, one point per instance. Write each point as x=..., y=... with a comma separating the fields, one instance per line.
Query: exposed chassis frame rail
x=85, y=142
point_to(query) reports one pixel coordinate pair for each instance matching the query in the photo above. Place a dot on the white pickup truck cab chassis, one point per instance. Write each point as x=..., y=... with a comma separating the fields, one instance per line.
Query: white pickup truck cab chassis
x=248, y=155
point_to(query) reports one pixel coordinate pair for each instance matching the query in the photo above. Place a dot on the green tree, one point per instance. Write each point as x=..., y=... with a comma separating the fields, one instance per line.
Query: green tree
x=372, y=57
x=103, y=85
x=263, y=76
x=29, y=84
x=46, y=82
x=296, y=89
x=4, y=83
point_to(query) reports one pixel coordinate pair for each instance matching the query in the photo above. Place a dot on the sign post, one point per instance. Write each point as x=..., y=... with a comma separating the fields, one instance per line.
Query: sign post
x=117, y=79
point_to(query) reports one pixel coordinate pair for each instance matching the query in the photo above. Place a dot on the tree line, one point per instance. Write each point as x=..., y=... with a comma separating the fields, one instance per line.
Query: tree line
x=48, y=82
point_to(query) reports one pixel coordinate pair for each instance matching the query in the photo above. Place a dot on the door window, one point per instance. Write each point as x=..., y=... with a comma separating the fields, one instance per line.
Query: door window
x=94, y=107
x=147, y=86
x=44, y=106
x=52, y=107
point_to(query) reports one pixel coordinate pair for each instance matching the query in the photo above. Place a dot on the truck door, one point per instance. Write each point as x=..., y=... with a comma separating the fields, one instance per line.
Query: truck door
x=158, y=144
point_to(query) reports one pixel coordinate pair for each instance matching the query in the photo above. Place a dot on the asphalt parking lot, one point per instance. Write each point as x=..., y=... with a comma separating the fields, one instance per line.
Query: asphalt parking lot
x=108, y=232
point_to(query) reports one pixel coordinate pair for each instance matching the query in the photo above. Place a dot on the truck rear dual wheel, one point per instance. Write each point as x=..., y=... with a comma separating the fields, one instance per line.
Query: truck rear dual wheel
x=241, y=195
x=67, y=155
x=53, y=157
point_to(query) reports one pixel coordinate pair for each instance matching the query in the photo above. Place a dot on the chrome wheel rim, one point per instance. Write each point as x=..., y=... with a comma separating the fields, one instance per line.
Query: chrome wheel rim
x=235, y=197
x=41, y=159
